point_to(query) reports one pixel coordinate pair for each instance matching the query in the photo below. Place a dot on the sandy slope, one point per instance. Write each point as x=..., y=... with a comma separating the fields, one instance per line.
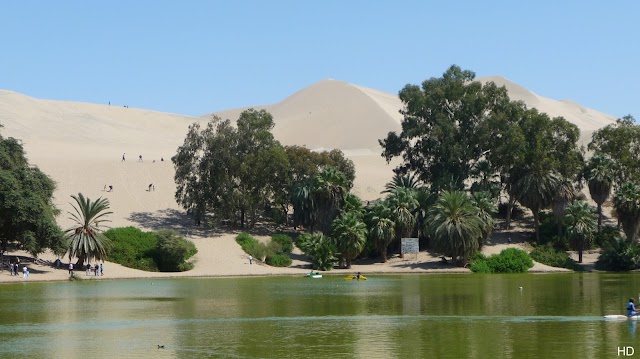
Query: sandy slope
x=80, y=146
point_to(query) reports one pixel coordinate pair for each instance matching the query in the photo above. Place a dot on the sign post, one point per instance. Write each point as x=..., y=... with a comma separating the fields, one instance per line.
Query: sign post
x=409, y=246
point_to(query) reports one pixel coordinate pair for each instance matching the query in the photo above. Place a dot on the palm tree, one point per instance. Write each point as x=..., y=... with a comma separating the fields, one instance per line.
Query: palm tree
x=85, y=240
x=535, y=190
x=627, y=206
x=350, y=234
x=486, y=208
x=303, y=204
x=381, y=227
x=599, y=173
x=456, y=228
x=582, y=226
x=403, y=204
x=564, y=195
x=329, y=189
x=402, y=181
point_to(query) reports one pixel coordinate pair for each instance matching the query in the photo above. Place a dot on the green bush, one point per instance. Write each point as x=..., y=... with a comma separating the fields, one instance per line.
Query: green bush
x=619, y=255
x=279, y=260
x=320, y=249
x=133, y=248
x=285, y=242
x=173, y=250
x=547, y=254
x=510, y=260
x=607, y=235
x=246, y=241
x=479, y=264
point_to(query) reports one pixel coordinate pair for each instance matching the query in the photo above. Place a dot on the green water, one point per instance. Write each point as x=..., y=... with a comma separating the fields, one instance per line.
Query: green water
x=403, y=316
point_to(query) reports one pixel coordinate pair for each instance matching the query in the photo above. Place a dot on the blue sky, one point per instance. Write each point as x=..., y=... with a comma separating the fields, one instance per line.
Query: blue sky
x=194, y=57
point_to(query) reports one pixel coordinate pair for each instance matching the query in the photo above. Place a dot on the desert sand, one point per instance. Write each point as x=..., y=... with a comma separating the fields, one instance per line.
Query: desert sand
x=81, y=145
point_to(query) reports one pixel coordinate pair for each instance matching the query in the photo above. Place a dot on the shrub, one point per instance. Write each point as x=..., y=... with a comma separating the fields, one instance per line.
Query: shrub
x=173, y=250
x=607, y=235
x=619, y=255
x=320, y=249
x=285, y=242
x=133, y=248
x=479, y=264
x=278, y=260
x=246, y=241
x=510, y=260
x=551, y=256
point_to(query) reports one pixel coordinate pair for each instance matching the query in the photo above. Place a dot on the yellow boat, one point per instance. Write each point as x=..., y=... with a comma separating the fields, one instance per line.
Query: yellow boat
x=355, y=277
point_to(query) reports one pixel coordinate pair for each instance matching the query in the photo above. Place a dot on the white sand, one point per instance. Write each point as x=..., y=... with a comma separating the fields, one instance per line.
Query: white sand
x=80, y=146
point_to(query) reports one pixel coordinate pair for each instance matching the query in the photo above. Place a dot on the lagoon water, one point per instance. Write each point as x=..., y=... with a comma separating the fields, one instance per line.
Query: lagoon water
x=390, y=316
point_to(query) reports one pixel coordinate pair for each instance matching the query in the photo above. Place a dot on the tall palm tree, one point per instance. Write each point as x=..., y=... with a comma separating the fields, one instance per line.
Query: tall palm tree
x=565, y=194
x=329, y=190
x=535, y=190
x=403, y=204
x=85, y=240
x=486, y=208
x=456, y=228
x=599, y=173
x=381, y=228
x=350, y=234
x=402, y=181
x=303, y=204
x=582, y=226
x=627, y=206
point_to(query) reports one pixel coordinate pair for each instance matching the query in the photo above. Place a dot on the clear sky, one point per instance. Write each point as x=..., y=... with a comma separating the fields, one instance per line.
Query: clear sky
x=194, y=57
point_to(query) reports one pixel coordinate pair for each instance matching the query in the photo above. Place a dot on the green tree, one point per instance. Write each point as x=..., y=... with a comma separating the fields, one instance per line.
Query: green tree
x=486, y=205
x=627, y=205
x=320, y=248
x=582, y=226
x=598, y=173
x=402, y=181
x=403, y=205
x=173, y=250
x=86, y=241
x=536, y=190
x=441, y=136
x=565, y=194
x=620, y=141
x=381, y=228
x=27, y=212
x=350, y=234
x=329, y=190
x=456, y=228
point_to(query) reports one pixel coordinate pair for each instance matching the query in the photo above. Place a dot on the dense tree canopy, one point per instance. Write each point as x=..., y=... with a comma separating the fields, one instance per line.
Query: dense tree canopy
x=621, y=142
x=236, y=173
x=27, y=213
x=442, y=129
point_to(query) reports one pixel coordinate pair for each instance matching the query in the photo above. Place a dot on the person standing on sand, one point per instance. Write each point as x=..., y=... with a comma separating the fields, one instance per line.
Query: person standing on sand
x=70, y=268
x=123, y=156
x=140, y=158
x=101, y=269
x=250, y=259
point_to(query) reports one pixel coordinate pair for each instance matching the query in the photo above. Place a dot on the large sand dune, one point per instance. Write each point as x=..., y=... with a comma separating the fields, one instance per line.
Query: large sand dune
x=80, y=146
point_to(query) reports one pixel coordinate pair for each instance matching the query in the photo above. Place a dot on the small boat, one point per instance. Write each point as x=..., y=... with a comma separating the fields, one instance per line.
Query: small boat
x=313, y=275
x=355, y=277
x=620, y=317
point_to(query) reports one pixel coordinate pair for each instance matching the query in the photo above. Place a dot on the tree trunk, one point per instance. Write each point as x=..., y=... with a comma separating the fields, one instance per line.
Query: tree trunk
x=536, y=225
x=348, y=263
x=599, y=217
x=242, y=217
x=384, y=254
x=580, y=255
x=510, y=203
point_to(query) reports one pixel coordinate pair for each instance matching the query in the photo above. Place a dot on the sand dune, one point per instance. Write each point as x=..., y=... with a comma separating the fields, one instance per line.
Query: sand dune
x=80, y=146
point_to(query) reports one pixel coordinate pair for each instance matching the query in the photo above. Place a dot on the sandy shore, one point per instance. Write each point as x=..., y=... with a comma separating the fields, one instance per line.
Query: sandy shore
x=220, y=256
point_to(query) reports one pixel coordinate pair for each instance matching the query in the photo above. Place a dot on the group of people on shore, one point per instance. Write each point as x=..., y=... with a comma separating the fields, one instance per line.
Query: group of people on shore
x=15, y=270
x=96, y=270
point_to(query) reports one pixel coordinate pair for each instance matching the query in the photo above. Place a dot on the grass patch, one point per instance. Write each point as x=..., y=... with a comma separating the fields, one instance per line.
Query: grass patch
x=549, y=255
